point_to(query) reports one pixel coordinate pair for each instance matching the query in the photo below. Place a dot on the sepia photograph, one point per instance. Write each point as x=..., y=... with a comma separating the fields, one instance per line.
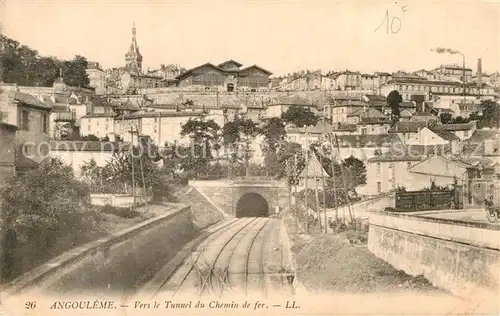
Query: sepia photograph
x=270, y=157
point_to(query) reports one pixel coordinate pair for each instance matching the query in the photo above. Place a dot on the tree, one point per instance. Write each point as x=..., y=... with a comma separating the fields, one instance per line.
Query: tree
x=204, y=134
x=445, y=118
x=300, y=116
x=491, y=115
x=43, y=214
x=356, y=170
x=237, y=135
x=22, y=65
x=274, y=135
x=74, y=72
x=394, y=99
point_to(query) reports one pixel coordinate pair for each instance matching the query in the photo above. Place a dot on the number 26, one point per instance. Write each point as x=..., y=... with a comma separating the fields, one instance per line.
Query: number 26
x=30, y=305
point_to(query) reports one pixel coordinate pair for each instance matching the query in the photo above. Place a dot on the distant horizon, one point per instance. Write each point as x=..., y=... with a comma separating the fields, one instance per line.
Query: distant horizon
x=283, y=37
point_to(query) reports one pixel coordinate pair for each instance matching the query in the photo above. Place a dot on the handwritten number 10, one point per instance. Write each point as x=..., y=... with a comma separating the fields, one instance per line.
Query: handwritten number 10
x=394, y=27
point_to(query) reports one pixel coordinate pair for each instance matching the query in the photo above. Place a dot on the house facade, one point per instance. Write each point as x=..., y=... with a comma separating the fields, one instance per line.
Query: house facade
x=431, y=89
x=7, y=152
x=225, y=77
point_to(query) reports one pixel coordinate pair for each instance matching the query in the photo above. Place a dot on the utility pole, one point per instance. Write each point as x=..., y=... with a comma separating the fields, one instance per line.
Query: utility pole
x=144, y=183
x=132, y=163
x=324, y=193
x=316, y=194
x=295, y=179
x=344, y=180
x=307, y=180
x=334, y=185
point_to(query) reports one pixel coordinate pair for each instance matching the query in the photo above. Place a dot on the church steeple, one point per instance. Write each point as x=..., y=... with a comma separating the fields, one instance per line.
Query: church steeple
x=133, y=58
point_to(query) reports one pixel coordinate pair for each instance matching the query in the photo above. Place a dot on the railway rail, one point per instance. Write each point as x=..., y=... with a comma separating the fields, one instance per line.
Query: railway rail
x=232, y=257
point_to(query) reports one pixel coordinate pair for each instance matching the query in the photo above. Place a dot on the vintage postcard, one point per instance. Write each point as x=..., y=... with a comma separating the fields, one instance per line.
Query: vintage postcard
x=249, y=157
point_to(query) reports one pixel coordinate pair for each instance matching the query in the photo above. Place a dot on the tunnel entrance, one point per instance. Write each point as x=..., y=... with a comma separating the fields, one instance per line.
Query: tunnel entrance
x=252, y=205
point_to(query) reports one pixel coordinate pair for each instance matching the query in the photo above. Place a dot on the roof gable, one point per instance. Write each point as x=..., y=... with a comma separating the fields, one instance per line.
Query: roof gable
x=188, y=73
x=230, y=64
x=256, y=67
x=313, y=169
x=440, y=166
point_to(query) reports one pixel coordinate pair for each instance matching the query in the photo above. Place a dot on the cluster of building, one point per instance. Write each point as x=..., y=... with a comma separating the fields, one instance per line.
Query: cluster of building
x=128, y=101
x=132, y=78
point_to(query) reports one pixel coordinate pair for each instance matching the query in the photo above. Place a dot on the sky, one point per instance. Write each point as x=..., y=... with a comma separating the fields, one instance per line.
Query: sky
x=281, y=36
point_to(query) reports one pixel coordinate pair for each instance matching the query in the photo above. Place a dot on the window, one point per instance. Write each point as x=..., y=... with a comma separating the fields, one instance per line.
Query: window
x=45, y=124
x=408, y=164
x=379, y=187
x=25, y=120
x=378, y=167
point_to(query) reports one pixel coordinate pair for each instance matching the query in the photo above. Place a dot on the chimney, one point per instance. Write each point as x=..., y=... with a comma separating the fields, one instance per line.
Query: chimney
x=479, y=73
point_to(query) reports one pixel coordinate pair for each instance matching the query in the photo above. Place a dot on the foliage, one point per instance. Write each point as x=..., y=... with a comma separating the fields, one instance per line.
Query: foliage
x=290, y=161
x=274, y=133
x=44, y=213
x=393, y=99
x=491, y=115
x=400, y=189
x=141, y=159
x=445, y=118
x=237, y=135
x=24, y=66
x=90, y=138
x=299, y=116
x=355, y=170
x=204, y=135
x=120, y=211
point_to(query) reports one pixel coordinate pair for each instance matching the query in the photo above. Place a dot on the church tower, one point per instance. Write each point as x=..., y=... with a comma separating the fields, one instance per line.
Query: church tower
x=133, y=59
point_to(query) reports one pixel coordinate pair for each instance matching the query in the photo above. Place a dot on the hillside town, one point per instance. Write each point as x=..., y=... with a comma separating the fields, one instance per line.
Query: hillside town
x=449, y=106
x=79, y=142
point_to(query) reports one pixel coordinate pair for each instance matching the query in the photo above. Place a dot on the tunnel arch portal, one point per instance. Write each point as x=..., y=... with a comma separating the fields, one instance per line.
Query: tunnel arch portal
x=252, y=205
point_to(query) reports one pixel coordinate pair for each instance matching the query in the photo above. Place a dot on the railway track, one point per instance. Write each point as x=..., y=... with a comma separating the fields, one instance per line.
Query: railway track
x=229, y=258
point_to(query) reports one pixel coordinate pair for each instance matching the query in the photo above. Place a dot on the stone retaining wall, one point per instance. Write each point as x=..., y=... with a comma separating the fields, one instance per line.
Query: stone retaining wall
x=464, y=260
x=117, y=264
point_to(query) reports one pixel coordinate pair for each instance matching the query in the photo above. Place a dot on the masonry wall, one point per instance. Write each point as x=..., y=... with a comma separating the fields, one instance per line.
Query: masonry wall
x=464, y=260
x=117, y=264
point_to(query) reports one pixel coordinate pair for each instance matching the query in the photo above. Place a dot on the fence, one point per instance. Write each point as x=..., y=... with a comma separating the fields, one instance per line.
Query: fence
x=122, y=200
x=424, y=200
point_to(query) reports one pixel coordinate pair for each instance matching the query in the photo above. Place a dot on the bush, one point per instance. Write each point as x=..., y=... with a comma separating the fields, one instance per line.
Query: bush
x=389, y=209
x=124, y=212
x=43, y=214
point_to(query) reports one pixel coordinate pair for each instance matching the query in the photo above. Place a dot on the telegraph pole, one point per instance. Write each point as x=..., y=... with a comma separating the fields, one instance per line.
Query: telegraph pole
x=144, y=183
x=334, y=185
x=344, y=180
x=316, y=194
x=295, y=178
x=324, y=193
x=132, y=163
x=307, y=180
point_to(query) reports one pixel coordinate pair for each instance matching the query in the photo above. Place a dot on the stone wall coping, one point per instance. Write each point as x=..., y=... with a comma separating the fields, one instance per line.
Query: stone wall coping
x=71, y=256
x=440, y=229
x=421, y=216
x=237, y=183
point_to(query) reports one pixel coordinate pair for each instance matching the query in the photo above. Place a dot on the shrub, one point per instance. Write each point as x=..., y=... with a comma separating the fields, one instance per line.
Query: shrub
x=43, y=214
x=124, y=212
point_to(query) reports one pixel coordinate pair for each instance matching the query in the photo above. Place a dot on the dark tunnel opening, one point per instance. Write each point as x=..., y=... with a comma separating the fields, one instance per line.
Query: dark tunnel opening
x=252, y=205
